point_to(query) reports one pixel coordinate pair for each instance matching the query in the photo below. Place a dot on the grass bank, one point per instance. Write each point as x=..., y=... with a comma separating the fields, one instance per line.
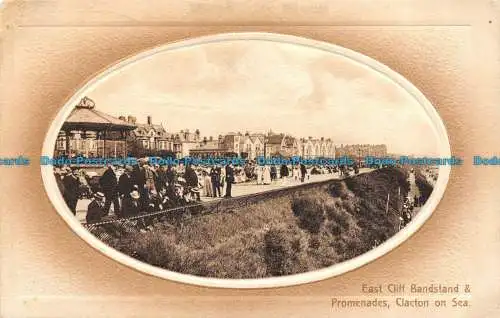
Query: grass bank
x=297, y=231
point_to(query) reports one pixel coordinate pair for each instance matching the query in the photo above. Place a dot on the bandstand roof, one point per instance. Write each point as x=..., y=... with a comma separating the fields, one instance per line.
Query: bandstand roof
x=85, y=116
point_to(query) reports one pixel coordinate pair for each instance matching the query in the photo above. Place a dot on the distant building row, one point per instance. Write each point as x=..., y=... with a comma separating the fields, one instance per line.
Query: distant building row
x=150, y=139
x=361, y=151
x=92, y=133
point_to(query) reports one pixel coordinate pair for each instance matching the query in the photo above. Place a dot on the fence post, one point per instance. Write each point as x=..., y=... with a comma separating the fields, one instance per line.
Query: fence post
x=387, y=204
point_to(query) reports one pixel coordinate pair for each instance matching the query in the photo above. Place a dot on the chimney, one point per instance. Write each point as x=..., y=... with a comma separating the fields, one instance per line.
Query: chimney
x=150, y=120
x=122, y=118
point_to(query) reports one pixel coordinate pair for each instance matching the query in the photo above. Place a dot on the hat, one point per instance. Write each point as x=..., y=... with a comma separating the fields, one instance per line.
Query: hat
x=134, y=194
x=99, y=195
x=178, y=185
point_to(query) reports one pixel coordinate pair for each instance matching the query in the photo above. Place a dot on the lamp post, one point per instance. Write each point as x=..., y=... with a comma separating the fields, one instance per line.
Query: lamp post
x=266, y=140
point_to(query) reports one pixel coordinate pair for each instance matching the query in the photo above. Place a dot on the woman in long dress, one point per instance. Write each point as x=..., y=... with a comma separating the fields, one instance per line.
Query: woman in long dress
x=266, y=175
x=295, y=172
x=222, y=179
x=259, y=172
x=207, y=185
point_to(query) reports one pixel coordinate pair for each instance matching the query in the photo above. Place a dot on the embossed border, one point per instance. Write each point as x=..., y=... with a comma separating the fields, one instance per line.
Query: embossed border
x=444, y=150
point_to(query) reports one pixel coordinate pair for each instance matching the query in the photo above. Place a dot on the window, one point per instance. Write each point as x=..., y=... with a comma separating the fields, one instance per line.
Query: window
x=61, y=143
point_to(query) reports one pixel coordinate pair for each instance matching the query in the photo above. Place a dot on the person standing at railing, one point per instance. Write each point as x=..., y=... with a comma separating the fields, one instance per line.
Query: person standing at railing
x=215, y=179
x=303, y=172
x=274, y=173
x=266, y=175
x=295, y=173
x=139, y=178
x=125, y=183
x=109, y=185
x=71, y=189
x=229, y=180
x=207, y=184
x=259, y=171
x=192, y=181
x=161, y=177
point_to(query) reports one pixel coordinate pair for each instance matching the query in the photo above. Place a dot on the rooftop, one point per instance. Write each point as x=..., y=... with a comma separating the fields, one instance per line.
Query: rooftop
x=85, y=116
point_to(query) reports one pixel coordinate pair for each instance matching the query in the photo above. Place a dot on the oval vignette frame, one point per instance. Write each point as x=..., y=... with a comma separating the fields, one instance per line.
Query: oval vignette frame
x=444, y=150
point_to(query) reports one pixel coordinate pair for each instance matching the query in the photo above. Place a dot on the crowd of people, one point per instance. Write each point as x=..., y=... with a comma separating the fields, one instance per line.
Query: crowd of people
x=131, y=190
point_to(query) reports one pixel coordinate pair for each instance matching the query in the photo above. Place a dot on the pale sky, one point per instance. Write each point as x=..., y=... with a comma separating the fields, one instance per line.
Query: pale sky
x=260, y=85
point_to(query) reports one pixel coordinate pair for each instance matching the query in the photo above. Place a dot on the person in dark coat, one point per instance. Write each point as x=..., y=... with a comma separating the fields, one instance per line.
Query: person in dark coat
x=138, y=175
x=125, y=183
x=191, y=177
x=215, y=179
x=154, y=201
x=303, y=172
x=229, y=180
x=165, y=201
x=274, y=173
x=283, y=171
x=95, y=209
x=170, y=175
x=71, y=189
x=131, y=205
x=139, y=179
x=192, y=181
x=109, y=185
x=356, y=168
x=161, y=178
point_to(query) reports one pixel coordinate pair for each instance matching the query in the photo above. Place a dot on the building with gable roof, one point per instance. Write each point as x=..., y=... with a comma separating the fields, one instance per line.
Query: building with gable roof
x=149, y=139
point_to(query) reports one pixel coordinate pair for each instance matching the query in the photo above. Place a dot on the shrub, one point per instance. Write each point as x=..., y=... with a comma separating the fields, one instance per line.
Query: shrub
x=314, y=242
x=278, y=252
x=155, y=249
x=285, y=250
x=310, y=212
x=339, y=190
x=334, y=228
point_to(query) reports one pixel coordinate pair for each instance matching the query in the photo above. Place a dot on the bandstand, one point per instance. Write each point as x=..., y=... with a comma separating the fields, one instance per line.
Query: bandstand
x=91, y=133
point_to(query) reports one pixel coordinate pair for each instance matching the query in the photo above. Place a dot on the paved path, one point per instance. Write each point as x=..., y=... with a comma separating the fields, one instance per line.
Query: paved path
x=240, y=189
x=252, y=187
x=414, y=191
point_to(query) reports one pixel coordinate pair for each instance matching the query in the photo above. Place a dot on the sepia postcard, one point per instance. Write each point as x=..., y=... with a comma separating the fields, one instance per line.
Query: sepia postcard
x=208, y=158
